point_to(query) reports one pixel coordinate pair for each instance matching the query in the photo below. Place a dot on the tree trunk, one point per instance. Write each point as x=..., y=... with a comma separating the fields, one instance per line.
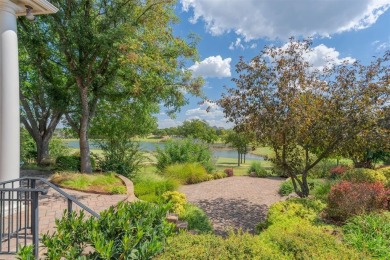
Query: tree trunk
x=42, y=150
x=238, y=162
x=86, y=166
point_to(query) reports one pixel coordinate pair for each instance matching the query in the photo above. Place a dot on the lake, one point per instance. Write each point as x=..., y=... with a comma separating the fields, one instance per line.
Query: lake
x=147, y=146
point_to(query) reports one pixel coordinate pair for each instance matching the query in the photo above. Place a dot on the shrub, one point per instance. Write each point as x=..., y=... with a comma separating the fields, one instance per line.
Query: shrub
x=347, y=199
x=338, y=171
x=300, y=208
x=184, y=151
x=299, y=239
x=121, y=157
x=176, y=200
x=130, y=231
x=364, y=175
x=187, y=173
x=385, y=171
x=196, y=218
x=150, y=187
x=256, y=170
x=219, y=175
x=287, y=186
x=228, y=172
x=369, y=233
x=321, y=190
x=208, y=246
x=68, y=163
x=57, y=148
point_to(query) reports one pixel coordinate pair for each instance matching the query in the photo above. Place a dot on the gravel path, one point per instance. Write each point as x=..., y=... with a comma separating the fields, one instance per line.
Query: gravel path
x=235, y=202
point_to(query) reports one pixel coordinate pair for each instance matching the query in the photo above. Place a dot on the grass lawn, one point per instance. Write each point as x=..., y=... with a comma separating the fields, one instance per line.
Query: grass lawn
x=101, y=183
x=223, y=163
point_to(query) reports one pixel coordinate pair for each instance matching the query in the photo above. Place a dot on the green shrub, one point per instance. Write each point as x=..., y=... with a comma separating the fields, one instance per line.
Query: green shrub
x=219, y=175
x=128, y=231
x=298, y=239
x=121, y=157
x=28, y=149
x=57, y=148
x=363, y=175
x=25, y=253
x=299, y=208
x=207, y=246
x=150, y=187
x=184, y=151
x=321, y=190
x=196, y=218
x=68, y=163
x=385, y=171
x=370, y=233
x=256, y=170
x=187, y=173
x=347, y=199
x=176, y=200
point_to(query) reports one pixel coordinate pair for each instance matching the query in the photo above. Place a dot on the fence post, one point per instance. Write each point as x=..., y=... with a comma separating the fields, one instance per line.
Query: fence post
x=35, y=223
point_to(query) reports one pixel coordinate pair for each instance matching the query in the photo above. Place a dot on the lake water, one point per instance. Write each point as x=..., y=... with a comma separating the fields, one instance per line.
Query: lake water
x=147, y=146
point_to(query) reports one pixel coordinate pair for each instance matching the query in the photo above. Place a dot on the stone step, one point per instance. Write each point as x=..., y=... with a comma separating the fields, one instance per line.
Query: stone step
x=182, y=225
x=172, y=218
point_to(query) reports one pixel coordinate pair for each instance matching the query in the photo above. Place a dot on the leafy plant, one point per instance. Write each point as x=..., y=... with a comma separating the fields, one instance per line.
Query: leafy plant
x=196, y=218
x=135, y=230
x=57, y=148
x=228, y=172
x=287, y=186
x=184, y=151
x=219, y=175
x=364, y=175
x=369, y=233
x=68, y=163
x=257, y=170
x=338, y=171
x=347, y=199
x=176, y=200
x=121, y=156
x=25, y=253
x=187, y=173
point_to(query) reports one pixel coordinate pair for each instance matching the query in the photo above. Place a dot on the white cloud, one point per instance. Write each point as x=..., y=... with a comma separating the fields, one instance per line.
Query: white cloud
x=381, y=46
x=165, y=123
x=253, y=19
x=236, y=45
x=213, y=66
x=321, y=56
x=211, y=113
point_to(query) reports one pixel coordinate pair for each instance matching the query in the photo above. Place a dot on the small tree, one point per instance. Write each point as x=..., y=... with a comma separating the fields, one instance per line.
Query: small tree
x=300, y=110
x=240, y=141
x=198, y=129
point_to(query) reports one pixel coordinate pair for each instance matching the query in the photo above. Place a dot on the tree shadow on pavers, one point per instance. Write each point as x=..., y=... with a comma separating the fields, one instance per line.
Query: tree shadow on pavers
x=233, y=214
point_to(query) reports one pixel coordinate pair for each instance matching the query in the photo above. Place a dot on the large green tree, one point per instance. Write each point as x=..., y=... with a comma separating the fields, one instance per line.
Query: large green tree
x=116, y=51
x=44, y=94
x=198, y=129
x=302, y=112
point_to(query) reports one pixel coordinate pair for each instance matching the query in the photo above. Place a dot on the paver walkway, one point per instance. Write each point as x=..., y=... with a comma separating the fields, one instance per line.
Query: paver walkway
x=52, y=205
x=235, y=202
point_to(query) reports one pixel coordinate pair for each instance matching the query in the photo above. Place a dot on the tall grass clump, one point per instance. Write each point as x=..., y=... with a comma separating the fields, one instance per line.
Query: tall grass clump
x=187, y=173
x=257, y=170
x=151, y=186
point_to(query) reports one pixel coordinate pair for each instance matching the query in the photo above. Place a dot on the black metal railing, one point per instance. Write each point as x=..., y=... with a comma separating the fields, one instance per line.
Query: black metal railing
x=19, y=212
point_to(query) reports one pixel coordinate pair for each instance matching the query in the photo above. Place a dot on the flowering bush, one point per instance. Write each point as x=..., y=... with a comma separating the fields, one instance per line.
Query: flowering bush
x=347, y=199
x=338, y=171
x=177, y=200
x=229, y=172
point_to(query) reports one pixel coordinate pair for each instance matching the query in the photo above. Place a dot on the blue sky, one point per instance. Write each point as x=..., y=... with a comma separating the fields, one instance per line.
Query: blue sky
x=341, y=29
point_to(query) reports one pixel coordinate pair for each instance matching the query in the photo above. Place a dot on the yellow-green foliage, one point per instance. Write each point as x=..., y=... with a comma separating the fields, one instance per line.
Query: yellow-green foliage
x=302, y=208
x=177, y=200
x=187, y=173
x=385, y=171
x=364, y=175
x=219, y=175
x=207, y=246
x=299, y=239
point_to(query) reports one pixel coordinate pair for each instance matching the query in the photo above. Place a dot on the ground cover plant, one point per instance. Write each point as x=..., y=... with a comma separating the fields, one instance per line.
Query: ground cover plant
x=104, y=183
x=370, y=233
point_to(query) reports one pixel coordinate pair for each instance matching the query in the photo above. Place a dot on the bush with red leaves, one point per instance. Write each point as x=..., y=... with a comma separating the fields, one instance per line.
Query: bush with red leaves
x=229, y=172
x=337, y=171
x=347, y=199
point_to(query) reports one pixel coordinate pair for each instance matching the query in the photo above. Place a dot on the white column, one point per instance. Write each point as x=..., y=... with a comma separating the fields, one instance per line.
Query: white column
x=9, y=93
